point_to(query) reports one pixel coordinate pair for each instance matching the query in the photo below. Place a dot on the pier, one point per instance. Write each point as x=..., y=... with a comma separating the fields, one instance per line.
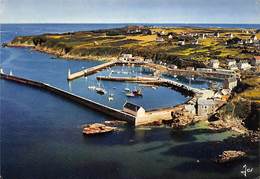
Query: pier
x=90, y=71
x=152, y=80
x=97, y=68
x=115, y=113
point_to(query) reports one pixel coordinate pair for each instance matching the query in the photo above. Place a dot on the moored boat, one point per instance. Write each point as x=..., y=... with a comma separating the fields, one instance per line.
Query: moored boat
x=130, y=94
x=137, y=92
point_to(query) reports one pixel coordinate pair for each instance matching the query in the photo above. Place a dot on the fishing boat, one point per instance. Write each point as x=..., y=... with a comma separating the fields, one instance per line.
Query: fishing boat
x=130, y=94
x=100, y=90
x=97, y=128
x=137, y=92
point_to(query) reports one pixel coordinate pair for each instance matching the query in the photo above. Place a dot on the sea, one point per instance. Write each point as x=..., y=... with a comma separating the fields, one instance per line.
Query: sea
x=41, y=133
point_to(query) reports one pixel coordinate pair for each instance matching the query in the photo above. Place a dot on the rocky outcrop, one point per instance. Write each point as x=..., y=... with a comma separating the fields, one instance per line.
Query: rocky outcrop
x=229, y=156
x=228, y=123
x=181, y=119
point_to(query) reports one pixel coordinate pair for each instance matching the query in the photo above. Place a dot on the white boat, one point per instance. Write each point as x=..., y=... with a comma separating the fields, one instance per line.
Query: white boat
x=110, y=98
x=91, y=87
x=127, y=89
x=100, y=90
x=130, y=94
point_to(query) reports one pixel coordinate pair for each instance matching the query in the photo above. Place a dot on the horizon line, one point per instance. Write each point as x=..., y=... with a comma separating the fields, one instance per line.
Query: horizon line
x=127, y=23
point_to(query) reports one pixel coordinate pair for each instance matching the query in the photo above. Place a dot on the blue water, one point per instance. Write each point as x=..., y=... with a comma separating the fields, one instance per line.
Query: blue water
x=41, y=133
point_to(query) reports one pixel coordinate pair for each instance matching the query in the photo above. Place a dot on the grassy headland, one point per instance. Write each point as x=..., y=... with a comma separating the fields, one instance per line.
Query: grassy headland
x=160, y=44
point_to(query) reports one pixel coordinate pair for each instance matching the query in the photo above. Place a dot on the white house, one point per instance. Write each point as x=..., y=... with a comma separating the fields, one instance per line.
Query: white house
x=173, y=66
x=196, y=42
x=133, y=109
x=126, y=56
x=170, y=36
x=181, y=42
x=244, y=65
x=214, y=63
x=231, y=62
x=232, y=67
x=159, y=39
x=254, y=38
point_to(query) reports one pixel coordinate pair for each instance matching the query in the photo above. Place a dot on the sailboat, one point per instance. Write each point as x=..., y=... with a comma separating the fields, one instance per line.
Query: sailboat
x=92, y=87
x=100, y=90
x=110, y=96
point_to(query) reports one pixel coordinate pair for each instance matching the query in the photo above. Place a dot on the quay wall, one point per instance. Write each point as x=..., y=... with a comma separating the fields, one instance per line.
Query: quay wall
x=94, y=69
x=213, y=75
x=158, y=81
x=118, y=114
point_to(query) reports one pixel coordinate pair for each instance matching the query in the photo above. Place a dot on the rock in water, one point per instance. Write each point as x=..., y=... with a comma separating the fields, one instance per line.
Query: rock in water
x=230, y=155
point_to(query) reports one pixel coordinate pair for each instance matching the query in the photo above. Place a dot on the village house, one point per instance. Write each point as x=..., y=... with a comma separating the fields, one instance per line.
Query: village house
x=148, y=60
x=133, y=109
x=204, y=69
x=224, y=71
x=243, y=65
x=231, y=62
x=195, y=42
x=135, y=29
x=254, y=37
x=181, y=42
x=162, y=33
x=233, y=67
x=216, y=34
x=125, y=56
x=214, y=63
x=190, y=68
x=170, y=36
x=230, y=83
x=159, y=39
x=255, y=61
x=205, y=106
x=173, y=66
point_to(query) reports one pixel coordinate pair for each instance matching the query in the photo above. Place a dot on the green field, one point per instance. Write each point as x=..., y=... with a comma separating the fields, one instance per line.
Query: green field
x=113, y=42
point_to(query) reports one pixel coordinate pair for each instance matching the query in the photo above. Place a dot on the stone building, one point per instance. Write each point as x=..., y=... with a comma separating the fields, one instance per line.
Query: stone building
x=133, y=109
x=205, y=106
x=230, y=83
x=256, y=61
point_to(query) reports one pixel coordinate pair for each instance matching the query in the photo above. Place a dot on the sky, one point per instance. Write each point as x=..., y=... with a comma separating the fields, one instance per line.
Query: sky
x=130, y=11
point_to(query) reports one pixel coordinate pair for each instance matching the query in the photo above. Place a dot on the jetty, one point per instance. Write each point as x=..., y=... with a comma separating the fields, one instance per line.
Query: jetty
x=90, y=71
x=115, y=113
x=97, y=68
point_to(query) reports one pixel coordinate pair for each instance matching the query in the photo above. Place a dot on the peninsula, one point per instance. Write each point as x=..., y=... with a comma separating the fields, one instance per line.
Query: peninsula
x=182, y=46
